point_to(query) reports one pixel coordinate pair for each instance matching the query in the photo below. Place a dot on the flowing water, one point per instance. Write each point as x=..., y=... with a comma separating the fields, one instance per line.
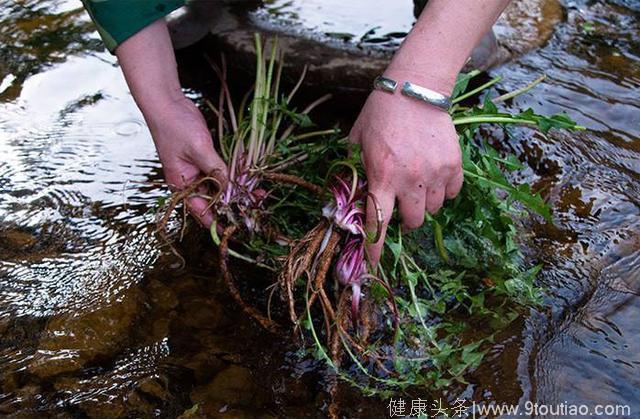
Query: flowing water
x=95, y=320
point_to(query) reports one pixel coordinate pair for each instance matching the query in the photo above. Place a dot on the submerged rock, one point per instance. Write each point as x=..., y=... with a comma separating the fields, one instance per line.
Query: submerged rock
x=4, y=324
x=232, y=388
x=24, y=401
x=155, y=387
x=72, y=340
x=24, y=244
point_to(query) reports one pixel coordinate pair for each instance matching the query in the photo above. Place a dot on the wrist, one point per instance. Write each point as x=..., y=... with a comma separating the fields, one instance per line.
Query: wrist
x=156, y=103
x=431, y=96
x=163, y=109
x=407, y=108
x=434, y=80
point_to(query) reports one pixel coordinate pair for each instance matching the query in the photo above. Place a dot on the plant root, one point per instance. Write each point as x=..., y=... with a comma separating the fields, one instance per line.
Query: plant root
x=337, y=352
x=391, y=302
x=360, y=346
x=228, y=278
x=298, y=263
x=180, y=197
x=292, y=180
x=365, y=322
x=324, y=263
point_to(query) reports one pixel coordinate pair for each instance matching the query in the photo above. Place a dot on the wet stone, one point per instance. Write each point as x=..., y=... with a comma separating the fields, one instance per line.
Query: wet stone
x=161, y=327
x=18, y=239
x=525, y=26
x=48, y=363
x=98, y=405
x=142, y=406
x=153, y=387
x=102, y=409
x=204, y=365
x=297, y=391
x=226, y=412
x=118, y=395
x=161, y=296
x=28, y=244
x=70, y=341
x=9, y=382
x=24, y=398
x=16, y=243
x=232, y=388
x=4, y=325
x=201, y=313
x=248, y=414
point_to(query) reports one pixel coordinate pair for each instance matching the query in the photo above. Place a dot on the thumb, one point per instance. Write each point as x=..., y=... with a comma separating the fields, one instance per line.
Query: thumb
x=209, y=162
x=379, y=210
x=199, y=208
x=354, y=134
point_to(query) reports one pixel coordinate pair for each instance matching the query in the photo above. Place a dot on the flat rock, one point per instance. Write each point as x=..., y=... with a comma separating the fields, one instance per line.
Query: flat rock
x=524, y=26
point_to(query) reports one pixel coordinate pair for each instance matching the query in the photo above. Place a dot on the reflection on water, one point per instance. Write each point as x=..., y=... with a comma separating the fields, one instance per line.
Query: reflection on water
x=376, y=23
x=63, y=181
x=94, y=322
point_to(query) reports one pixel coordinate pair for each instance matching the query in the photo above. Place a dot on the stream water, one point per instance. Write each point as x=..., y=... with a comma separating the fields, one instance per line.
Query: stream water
x=96, y=321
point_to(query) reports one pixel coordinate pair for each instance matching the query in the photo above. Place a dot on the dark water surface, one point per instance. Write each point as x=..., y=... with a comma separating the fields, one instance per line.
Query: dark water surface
x=94, y=321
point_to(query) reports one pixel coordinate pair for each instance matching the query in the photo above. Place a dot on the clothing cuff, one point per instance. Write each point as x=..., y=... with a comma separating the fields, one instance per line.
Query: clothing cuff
x=118, y=20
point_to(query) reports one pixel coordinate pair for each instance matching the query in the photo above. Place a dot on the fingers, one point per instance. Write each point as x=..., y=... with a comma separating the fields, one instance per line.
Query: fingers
x=378, y=218
x=198, y=208
x=436, y=194
x=210, y=163
x=434, y=199
x=411, y=207
x=454, y=185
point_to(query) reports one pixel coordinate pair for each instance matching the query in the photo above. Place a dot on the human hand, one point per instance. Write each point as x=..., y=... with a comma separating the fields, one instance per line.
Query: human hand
x=410, y=151
x=186, y=151
x=178, y=129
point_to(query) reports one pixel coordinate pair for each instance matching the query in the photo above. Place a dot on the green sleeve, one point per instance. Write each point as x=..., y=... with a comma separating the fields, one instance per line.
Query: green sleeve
x=118, y=20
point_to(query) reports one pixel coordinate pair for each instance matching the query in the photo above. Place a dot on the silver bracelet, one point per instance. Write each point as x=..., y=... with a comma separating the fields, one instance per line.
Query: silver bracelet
x=413, y=90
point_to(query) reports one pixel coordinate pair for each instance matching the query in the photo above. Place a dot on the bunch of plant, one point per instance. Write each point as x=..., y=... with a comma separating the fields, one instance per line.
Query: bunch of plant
x=258, y=140
x=441, y=293
x=427, y=314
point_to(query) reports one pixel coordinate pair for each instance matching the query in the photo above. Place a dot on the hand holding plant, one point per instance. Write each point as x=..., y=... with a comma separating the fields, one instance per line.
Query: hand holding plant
x=411, y=153
x=186, y=151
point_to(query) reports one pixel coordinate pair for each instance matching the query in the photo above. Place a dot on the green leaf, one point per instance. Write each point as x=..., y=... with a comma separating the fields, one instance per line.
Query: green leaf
x=588, y=28
x=462, y=81
x=488, y=106
x=522, y=194
x=545, y=123
x=396, y=251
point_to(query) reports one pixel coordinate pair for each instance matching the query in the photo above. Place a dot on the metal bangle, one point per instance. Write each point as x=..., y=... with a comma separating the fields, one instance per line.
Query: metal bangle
x=385, y=84
x=413, y=90
x=426, y=95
